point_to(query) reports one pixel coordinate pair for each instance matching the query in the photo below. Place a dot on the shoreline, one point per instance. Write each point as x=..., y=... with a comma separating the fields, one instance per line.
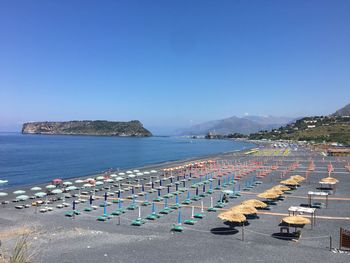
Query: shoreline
x=158, y=165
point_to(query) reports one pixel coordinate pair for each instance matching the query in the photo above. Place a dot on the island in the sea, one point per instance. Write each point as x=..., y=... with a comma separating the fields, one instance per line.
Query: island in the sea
x=86, y=127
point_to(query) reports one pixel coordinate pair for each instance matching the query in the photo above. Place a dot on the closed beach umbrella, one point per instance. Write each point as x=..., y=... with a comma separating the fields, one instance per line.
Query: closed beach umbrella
x=50, y=186
x=35, y=188
x=67, y=183
x=40, y=194
x=3, y=194
x=22, y=197
x=56, y=191
x=19, y=192
x=255, y=203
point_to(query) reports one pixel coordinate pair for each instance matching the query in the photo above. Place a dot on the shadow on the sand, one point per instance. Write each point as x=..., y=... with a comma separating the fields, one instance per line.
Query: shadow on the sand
x=286, y=236
x=224, y=231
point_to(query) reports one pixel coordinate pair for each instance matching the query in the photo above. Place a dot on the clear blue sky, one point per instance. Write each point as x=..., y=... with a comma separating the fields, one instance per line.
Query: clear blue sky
x=171, y=63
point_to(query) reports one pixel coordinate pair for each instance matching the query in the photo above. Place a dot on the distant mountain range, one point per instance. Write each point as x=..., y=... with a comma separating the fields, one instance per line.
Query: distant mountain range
x=244, y=125
x=345, y=111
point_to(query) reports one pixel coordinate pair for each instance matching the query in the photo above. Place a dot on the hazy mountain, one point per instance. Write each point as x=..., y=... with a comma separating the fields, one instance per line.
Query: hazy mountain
x=245, y=125
x=345, y=111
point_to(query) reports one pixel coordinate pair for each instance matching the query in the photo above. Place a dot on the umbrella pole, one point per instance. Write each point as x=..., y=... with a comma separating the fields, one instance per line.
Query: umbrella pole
x=242, y=231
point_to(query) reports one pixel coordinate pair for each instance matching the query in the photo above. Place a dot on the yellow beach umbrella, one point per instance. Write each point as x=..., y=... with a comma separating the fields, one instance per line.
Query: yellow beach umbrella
x=244, y=209
x=233, y=217
x=289, y=182
x=296, y=220
x=297, y=178
x=329, y=180
x=255, y=203
x=268, y=195
x=281, y=187
x=276, y=191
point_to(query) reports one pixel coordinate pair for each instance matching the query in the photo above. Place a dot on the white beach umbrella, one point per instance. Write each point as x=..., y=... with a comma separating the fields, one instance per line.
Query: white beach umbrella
x=56, y=191
x=19, y=192
x=40, y=194
x=87, y=185
x=67, y=183
x=131, y=175
x=79, y=181
x=35, y=188
x=90, y=179
x=136, y=171
x=3, y=194
x=129, y=172
x=100, y=177
x=71, y=188
x=146, y=172
x=139, y=174
x=113, y=175
x=22, y=197
x=121, y=174
x=119, y=178
x=99, y=183
x=109, y=180
x=153, y=171
x=50, y=186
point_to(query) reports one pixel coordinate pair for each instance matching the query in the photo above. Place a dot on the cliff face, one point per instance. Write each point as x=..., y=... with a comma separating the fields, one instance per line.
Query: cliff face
x=103, y=128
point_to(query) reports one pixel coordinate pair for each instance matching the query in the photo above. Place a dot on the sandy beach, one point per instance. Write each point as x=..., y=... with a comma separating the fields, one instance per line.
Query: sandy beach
x=82, y=238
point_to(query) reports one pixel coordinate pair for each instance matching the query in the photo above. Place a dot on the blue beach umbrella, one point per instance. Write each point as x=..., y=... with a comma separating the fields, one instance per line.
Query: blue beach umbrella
x=197, y=191
x=188, y=195
x=73, y=205
x=177, y=199
x=132, y=190
x=153, y=208
x=160, y=182
x=219, y=182
x=105, y=209
x=158, y=192
x=184, y=183
x=146, y=197
x=105, y=196
x=171, y=180
x=203, y=188
x=211, y=185
x=152, y=185
x=176, y=187
x=166, y=203
x=179, y=217
x=120, y=203
x=168, y=189
x=143, y=188
x=90, y=199
x=119, y=194
x=190, y=175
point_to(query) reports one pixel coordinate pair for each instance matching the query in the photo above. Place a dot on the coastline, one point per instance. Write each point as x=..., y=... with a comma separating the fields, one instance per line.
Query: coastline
x=158, y=165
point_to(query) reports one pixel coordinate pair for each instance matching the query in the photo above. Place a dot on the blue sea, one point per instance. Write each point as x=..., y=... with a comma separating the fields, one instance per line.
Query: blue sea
x=31, y=159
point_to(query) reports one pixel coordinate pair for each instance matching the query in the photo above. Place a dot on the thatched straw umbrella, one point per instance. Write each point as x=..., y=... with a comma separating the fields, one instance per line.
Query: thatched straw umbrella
x=268, y=195
x=276, y=191
x=281, y=187
x=255, y=203
x=244, y=209
x=289, y=182
x=329, y=180
x=233, y=217
x=296, y=220
x=297, y=178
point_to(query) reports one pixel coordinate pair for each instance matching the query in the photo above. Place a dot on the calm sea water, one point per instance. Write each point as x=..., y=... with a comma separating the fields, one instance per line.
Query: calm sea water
x=30, y=159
